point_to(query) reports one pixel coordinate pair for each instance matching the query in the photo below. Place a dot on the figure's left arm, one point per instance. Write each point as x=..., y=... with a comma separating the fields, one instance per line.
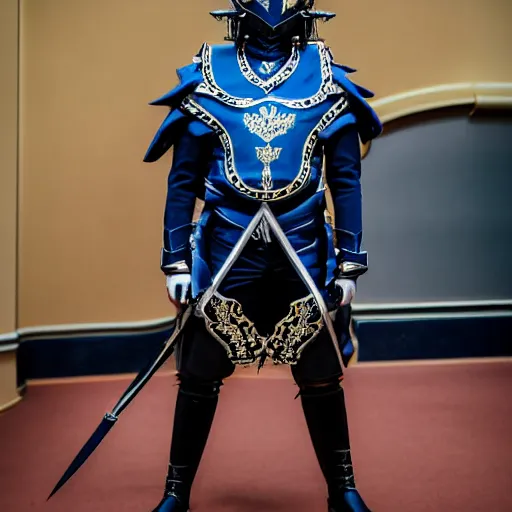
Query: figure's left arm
x=343, y=173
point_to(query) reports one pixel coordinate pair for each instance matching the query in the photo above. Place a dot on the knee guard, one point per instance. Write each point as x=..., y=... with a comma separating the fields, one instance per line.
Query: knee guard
x=192, y=386
x=321, y=388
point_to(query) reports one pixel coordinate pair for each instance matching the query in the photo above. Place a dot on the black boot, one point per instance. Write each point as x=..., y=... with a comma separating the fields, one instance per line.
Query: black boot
x=326, y=417
x=193, y=417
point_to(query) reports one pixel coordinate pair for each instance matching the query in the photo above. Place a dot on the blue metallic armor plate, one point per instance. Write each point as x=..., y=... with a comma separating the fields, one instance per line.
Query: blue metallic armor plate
x=270, y=129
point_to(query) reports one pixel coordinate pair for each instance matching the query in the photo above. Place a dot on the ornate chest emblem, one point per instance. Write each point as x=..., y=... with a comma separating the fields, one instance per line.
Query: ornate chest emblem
x=268, y=125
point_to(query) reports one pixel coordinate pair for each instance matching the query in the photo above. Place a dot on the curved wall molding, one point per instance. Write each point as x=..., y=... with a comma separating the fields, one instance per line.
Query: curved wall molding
x=479, y=95
x=11, y=404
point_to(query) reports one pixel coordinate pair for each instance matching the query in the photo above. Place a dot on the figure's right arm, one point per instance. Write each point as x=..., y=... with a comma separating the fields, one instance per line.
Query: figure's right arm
x=186, y=179
x=185, y=184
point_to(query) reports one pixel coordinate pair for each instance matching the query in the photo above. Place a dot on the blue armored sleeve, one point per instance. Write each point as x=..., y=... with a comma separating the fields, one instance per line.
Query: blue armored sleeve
x=343, y=174
x=185, y=184
x=343, y=169
x=186, y=178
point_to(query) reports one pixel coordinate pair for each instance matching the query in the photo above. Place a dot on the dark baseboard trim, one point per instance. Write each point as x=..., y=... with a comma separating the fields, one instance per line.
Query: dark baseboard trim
x=73, y=354
x=441, y=337
x=384, y=334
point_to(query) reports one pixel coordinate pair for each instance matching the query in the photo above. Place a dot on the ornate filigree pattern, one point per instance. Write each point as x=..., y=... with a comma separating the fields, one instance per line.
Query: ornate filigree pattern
x=210, y=87
x=275, y=81
x=227, y=323
x=295, y=331
x=232, y=175
x=266, y=156
x=269, y=124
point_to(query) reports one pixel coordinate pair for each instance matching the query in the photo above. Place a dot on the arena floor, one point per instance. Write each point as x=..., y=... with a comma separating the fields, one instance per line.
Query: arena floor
x=426, y=437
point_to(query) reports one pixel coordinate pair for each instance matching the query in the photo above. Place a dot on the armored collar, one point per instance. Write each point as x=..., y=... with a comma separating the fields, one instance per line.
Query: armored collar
x=275, y=81
x=259, y=90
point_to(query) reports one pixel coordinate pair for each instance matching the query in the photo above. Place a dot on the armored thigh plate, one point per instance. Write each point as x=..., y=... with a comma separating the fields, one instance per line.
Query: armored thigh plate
x=227, y=323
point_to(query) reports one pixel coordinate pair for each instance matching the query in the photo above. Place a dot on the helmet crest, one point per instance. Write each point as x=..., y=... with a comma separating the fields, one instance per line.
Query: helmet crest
x=273, y=19
x=273, y=12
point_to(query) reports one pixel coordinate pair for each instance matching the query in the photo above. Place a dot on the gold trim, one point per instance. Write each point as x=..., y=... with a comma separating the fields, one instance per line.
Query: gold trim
x=210, y=87
x=11, y=404
x=227, y=323
x=285, y=72
x=302, y=178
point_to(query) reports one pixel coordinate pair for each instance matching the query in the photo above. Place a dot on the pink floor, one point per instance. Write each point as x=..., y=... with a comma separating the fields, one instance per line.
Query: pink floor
x=425, y=438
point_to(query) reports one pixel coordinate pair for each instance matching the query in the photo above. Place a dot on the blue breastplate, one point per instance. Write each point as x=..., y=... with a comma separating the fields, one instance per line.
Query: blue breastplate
x=268, y=129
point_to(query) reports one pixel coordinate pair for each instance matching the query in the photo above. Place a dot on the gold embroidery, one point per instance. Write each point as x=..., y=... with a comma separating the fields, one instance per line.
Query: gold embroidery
x=269, y=124
x=227, y=323
x=266, y=156
x=279, y=78
x=295, y=331
x=231, y=172
x=211, y=88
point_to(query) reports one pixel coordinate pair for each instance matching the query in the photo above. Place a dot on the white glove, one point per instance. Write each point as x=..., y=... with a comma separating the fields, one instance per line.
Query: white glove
x=178, y=286
x=349, y=290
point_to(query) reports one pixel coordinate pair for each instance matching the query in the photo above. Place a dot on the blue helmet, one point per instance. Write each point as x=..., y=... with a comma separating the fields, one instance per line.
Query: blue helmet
x=274, y=12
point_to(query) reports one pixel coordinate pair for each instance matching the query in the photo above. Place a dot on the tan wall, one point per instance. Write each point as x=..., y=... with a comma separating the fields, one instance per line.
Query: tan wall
x=91, y=211
x=8, y=192
x=8, y=161
x=8, y=392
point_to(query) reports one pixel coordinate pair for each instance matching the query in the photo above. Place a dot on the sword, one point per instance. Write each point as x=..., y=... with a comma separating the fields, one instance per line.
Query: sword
x=110, y=419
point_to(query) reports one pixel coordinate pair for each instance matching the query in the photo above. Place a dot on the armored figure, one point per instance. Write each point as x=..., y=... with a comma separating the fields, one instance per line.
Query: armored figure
x=252, y=123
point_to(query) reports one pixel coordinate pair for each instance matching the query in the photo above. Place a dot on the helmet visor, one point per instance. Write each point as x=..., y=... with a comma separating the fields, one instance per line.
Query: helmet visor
x=274, y=12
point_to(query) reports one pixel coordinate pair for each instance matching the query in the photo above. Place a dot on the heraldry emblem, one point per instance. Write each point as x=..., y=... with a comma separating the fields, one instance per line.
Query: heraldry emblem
x=268, y=125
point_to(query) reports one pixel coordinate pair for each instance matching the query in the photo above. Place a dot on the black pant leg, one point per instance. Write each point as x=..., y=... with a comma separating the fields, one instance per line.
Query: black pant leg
x=202, y=365
x=200, y=356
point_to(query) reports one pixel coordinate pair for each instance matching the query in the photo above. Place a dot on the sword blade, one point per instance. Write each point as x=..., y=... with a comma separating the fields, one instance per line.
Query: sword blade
x=153, y=366
x=131, y=392
x=97, y=437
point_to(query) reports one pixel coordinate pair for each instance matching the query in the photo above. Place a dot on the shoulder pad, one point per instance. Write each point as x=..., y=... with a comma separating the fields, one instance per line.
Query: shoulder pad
x=166, y=135
x=368, y=123
x=190, y=77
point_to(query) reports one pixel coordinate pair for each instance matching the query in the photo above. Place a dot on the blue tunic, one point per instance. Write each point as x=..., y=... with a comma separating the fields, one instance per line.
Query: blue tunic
x=245, y=130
